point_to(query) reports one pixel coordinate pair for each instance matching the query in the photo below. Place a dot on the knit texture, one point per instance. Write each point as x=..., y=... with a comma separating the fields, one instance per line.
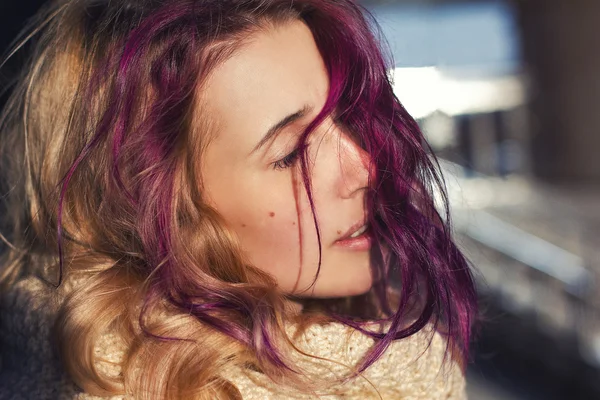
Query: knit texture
x=410, y=369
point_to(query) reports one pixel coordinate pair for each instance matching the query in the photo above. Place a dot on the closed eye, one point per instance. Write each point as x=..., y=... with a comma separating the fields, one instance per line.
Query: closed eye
x=289, y=160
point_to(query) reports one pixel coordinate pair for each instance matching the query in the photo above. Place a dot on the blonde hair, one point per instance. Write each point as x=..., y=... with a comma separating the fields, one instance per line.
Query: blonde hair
x=54, y=114
x=100, y=142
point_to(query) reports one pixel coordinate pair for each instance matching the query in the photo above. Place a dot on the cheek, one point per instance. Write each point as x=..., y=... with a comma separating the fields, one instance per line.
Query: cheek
x=265, y=220
x=270, y=239
x=268, y=231
x=273, y=222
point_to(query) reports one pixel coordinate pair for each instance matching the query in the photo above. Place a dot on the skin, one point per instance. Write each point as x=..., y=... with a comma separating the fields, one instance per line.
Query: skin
x=260, y=194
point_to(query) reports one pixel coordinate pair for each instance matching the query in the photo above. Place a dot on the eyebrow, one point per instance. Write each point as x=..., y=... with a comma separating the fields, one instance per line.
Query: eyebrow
x=278, y=127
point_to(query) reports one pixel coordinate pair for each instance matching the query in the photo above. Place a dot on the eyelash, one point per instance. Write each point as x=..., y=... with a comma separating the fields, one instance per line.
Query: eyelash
x=289, y=160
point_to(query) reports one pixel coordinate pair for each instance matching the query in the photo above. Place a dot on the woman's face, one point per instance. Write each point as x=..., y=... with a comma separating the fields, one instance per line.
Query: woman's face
x=258, y=102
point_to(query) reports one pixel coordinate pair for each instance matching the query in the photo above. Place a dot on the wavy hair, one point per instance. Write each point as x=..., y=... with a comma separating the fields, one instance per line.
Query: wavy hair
x=100, y=145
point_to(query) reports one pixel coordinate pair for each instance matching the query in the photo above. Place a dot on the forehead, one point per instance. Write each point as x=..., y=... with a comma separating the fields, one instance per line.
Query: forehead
x=278, y=71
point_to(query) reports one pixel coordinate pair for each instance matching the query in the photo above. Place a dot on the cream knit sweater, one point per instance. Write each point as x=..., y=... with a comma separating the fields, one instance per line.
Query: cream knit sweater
x=410, y=369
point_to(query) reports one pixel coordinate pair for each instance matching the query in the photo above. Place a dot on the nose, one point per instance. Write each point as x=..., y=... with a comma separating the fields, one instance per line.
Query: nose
x=356, y=167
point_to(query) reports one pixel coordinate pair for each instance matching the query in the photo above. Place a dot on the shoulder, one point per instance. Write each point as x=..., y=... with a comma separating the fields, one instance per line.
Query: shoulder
x=412, y=368
x=417, y=367
x=421, y=368
x=29, y=365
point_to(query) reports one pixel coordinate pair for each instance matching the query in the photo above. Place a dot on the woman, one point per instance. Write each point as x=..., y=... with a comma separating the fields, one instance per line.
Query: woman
x=231, y=203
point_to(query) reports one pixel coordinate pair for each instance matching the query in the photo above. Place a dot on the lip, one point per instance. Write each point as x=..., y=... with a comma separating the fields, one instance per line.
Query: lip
x=356, y=226
x=360, y=243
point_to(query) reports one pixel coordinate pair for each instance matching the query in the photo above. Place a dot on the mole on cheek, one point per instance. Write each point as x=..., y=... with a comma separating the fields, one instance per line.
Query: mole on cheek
x=244, y=225
x=339, y=232
x=271, y=214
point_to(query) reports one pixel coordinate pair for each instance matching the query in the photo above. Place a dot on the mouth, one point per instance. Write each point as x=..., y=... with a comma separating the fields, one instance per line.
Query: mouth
x=357, y=237
x=359, y=231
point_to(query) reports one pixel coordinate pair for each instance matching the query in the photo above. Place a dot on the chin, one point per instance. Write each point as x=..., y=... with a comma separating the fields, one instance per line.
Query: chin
x=356, y=283
x=362, y=288
x=354, y=286
x=354, y=280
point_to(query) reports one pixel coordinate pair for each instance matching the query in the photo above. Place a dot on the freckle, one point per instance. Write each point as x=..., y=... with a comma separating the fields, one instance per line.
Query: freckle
x=271, y=214
x=243, y=225
x=293, y=223
x=339, y=232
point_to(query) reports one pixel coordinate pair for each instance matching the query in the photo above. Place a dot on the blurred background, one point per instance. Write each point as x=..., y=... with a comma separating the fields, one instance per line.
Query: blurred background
x=506, y=92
